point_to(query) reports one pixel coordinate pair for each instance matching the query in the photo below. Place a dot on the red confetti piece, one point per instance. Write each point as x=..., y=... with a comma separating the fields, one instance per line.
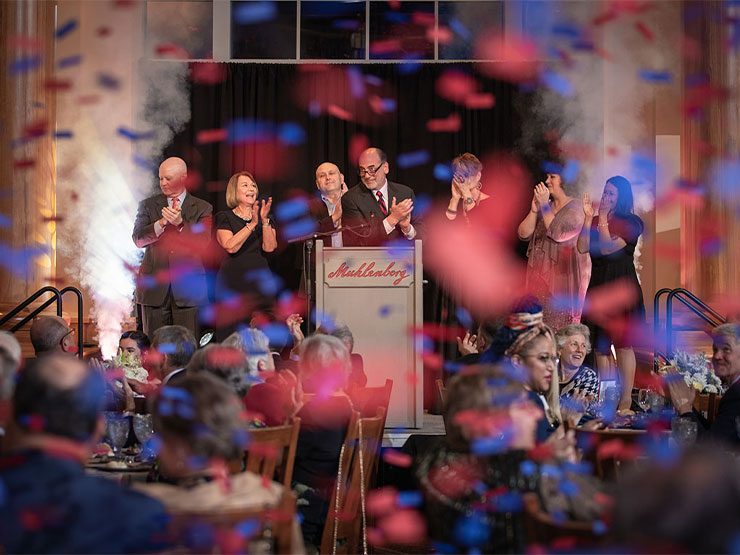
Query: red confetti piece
x=579, y=151
x=171, y=50
x=338, y=112
x=26, y=44
x=24, y=163
x=207, y=73
x=617, y=448
x=443, y=35
x=480, y=101
x=456, y=85
x=48, y=219
x=36, y=129
x=604, y=17
x=211, y=136
x=58, y=84
x=564, y=543
x=124, y=3
x=382, y=501
x=30, y=520
x=405, y=527
x=644, y=31
x=515, y=58
x=612, y=151
x=396, y=458
x=357, y=144
x=103, y=31
x=380, y=47
x=450, y=124
x=430, y=360
x=540, y=453
x=422, y=18
x=87, y=99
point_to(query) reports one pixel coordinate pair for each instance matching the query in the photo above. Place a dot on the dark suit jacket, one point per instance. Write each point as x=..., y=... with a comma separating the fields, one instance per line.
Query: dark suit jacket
x=320, y=214
x=72, y=511
x=723, y=428
x=359, y=206
x=170, y=251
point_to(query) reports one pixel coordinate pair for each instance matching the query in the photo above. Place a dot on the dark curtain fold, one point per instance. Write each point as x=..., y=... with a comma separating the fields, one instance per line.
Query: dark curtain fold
x=279, y=95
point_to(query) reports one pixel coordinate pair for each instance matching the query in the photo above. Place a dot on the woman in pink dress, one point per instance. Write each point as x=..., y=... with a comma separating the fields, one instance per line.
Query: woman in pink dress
x=556, y=272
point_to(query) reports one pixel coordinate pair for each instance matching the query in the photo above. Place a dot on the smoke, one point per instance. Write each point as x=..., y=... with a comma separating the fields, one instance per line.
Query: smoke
x=106, y=172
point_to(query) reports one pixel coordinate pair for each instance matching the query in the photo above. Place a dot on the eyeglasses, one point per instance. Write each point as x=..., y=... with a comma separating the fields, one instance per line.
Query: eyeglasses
x=369, y=170
x=70, y=332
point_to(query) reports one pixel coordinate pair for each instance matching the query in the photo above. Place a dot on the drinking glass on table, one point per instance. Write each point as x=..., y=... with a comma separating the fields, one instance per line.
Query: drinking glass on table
x=656, y=402
x=684, y=430
x=643, y=399
x=118, y=427
x=143, y=427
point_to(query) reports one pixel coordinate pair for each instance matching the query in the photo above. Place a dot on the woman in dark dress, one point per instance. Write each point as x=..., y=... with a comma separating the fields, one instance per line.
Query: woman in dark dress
x=611, y=242
x=245, y=232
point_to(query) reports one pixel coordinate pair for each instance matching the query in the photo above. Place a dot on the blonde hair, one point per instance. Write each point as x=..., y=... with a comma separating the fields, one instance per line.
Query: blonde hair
x=552, y=395
x=231, y=200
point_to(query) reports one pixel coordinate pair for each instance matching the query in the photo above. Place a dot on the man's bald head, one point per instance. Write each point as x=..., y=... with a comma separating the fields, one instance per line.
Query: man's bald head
x=58, y=395
x=51, y=333
x=172, y=174
x=329, y=180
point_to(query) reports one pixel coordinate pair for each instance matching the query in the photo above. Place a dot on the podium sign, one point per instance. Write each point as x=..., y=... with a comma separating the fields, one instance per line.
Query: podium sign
x=377, y=292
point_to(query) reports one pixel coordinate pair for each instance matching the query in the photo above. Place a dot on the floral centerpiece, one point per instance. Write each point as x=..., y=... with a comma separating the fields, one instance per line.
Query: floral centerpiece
x=696, y=371
x=131, y=366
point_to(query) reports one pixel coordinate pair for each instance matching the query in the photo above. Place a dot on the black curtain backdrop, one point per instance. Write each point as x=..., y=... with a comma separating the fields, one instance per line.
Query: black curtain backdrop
x=286, y=107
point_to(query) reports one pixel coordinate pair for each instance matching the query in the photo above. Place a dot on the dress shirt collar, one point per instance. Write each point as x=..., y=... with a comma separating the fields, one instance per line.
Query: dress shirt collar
x=180, y=199
x=169, y=376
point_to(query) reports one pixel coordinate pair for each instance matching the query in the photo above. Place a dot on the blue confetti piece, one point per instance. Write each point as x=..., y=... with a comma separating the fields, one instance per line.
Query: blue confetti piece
x=551, y=167
x=453, y=367
x=407, y=68
x=240, y=438
x=152, y=446
x=384, y=311
x=291, y=134
x=373, y=80
x=323, y=320
x=5, y=221
x=471, y=530
x=248, y=528
x=63, y=135
x=643, y=166
x=267, y=282
x=22, y=65
x=557, y=83
x=21, y=261
x=488, y=445
x=566, y=30
x=599, y=527
x=551, y=470
x=411, y=159
x=69, y=61
x=346, y=24
x=464, y=317
x=446, y=548
x=167, y=348
x=656, y=76
x=459, y=28
x=165, y=408
x=198, y=227
x=299, y=229
x=568, y=488
x=397, y=17
x=442, y=172
x=66, y=28
x=510, y=502
x=108, y=81
x=196, y=462
x=249, y=13
x=528, y=468
x=249, y=130
x=388, y=104
x=143, y=162
x=134, y=135
x=570, y=171
x=277, y=333
x=410, y=499
x=356, y=82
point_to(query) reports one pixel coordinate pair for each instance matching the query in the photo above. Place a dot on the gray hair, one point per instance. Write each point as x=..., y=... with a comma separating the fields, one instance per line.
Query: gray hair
x=10, y=361
x=340, y=331
x=180, y=343
x=253, y=343
x=225, y=362
x=728, y=331
x=573, y=329
x=324, y=360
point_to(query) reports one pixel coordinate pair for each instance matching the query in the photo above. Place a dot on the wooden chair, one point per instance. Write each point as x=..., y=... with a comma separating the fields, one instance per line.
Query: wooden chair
x=343, y=529
x=608, y=460
x=708, y=405
x=544, y=530
x=266, y=448
x=227, y=528
x=367, y=400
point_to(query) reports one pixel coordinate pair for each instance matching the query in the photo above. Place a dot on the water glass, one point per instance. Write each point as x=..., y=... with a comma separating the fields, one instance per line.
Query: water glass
x=643, y=399
x=656, y=402
x=684, y=430
x=143, y=427
x=118, y=427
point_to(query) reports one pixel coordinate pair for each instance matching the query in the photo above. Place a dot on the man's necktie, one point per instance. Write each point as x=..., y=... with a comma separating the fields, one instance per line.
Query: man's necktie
x=381, y=202
x=174, y=203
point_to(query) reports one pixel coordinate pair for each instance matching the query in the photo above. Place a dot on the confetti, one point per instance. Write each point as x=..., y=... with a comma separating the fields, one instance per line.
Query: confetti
x=412, y=159
x=108, y=81
x=450, y=124
x=480, y=101
x=24, y=64
x=66, y=29
x=211, y=136
x=69, y=61
x=207, y=73
x=249, y=13
x=134, y=135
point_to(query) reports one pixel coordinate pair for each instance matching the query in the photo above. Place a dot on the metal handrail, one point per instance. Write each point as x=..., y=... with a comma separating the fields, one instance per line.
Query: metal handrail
x=56, y=297
x=698, y=307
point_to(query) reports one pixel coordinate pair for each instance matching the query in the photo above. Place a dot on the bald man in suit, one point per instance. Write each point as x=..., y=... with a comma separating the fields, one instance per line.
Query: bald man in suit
x=172, y=280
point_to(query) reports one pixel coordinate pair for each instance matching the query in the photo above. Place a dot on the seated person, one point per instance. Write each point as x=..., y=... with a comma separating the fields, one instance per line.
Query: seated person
x=50, y=505
x=322, y=369
x=726, y=364
x=135, y=343
x=226, y=363
x=200, y=423
x=575, y=378
x=172, y=348
x=52, y=334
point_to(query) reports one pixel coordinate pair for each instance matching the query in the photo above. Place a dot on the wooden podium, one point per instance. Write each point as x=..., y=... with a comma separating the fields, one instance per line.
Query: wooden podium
x=377, y=292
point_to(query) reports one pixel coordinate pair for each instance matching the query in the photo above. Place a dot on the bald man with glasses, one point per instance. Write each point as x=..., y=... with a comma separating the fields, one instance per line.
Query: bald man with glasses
x=380, y=210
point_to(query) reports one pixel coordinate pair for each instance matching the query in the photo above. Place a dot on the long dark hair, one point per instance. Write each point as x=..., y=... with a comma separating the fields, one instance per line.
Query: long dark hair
x=625, y=203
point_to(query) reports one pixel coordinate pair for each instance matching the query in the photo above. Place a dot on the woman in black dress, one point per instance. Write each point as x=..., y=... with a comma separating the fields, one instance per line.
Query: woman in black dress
x=611, y=241
x=245, y=232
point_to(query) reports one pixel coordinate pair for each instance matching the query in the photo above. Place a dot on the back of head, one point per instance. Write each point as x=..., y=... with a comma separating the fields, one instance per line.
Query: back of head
x=689, y=506
x=341, y=331
x=10, y=361
x=58, y=395
x=256, y=345
x=225, y=362
x=203, y=413
x=324, y=364
x=176, y=343
x=47, y=333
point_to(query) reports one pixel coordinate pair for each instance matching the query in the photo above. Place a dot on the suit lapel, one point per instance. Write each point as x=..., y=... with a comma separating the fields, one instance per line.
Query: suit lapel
x=188, y=208
x=371, y=203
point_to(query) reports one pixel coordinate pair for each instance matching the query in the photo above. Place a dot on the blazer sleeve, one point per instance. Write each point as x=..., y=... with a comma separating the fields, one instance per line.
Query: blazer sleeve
x=351, y=216
x=144, y=227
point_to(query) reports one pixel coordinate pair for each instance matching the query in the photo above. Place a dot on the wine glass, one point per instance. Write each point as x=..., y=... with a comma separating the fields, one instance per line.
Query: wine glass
x=656, y=402
x=143, y=427
x=118, y=427
x=684, y=430
x=643, y=399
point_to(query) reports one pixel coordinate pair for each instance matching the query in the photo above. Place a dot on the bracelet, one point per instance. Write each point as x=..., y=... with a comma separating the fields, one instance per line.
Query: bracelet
x=603, y=225
x=267, y=223
x=452, y=211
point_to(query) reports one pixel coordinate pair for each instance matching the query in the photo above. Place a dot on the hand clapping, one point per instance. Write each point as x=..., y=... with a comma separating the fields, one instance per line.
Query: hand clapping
x=172, y=216
x=541, y=195
x=588, y=207
x=401, y=212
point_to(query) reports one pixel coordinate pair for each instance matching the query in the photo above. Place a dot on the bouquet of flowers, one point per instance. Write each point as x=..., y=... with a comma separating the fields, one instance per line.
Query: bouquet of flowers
x=131, y=366
x=696, y=371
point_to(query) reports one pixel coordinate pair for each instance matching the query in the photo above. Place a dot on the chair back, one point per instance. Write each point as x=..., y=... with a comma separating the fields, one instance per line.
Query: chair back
x=442, y=392
x=708, y=405
x=345, y=522
x=232, y=530
x=542, y=529
x=608, y=450
x=367, y=400
x=267, y=448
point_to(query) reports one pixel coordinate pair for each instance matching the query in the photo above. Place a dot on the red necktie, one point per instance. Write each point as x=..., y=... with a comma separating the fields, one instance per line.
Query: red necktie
x=174, y=203
x=381, y=202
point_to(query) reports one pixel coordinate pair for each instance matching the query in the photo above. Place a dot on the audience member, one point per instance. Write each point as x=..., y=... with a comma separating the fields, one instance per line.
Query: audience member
x=341, y=331
x=574, y=377
x=226, y=363
x=256, y=345
x=52, y=334
x=49, y=504
x=726, y=363
x=135, y=342
x=323, y=369
x=174, y=345
x=10, y=362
